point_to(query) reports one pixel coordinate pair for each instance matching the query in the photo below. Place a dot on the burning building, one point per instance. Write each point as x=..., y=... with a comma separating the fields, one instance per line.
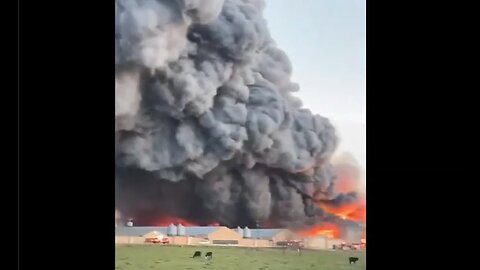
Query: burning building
x=220, y=235
x=207, y=128
x=194, y=235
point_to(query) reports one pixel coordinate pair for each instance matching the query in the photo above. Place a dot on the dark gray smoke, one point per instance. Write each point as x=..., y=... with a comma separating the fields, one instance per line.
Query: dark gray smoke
x=206, y=125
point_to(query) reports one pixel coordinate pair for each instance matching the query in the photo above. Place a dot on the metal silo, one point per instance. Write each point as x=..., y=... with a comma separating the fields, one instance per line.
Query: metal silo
x=181, y=230
x=172, y=230
x=130, y=223
x=247, y=233
x=240, y=231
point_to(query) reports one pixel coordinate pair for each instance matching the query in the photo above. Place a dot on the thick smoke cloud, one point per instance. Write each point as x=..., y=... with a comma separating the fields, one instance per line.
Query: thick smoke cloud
x=206, y=125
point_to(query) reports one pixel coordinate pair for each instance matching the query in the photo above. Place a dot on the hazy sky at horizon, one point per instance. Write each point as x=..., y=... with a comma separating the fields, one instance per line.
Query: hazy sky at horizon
x=326, y=43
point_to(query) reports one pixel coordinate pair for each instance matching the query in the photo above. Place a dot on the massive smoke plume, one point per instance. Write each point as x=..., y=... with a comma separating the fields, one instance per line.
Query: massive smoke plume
x=206, y=125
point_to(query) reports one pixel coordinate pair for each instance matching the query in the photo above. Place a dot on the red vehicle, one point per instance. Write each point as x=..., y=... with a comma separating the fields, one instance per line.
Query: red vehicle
x=157, y=240
x=165, y=240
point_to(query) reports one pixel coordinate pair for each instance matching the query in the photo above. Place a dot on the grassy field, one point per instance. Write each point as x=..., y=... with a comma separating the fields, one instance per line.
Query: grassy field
x=229, y=258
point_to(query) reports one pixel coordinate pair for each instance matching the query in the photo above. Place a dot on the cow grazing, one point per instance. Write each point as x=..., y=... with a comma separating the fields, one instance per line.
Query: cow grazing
x=209, y=255
x=197, y=254
x=352, y=260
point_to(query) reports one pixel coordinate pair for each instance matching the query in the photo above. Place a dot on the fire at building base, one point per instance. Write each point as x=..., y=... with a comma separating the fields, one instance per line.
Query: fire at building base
x=208, y=129
x=241, y=237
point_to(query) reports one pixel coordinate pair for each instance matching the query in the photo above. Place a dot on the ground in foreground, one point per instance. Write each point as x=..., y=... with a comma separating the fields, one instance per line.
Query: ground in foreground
x=230, y=258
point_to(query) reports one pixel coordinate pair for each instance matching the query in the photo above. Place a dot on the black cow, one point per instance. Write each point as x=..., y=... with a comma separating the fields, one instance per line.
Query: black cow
x=209, y=255
x=197, y=254
x=352, y=260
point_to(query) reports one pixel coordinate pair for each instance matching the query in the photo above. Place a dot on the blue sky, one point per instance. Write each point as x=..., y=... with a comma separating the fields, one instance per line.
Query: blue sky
x=326, y=43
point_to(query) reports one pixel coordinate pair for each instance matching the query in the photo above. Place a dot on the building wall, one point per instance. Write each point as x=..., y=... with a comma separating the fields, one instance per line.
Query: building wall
x=332, y=242
x=129, y=240
x=315, y=242
x=285, y=235
x=184, y=240
x=198, y=241
x=255, y=242
x=179, y=240
x=224, y=233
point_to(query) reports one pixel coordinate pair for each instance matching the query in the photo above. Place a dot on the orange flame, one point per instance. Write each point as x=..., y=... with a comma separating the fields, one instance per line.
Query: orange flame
x=327, y=229
x=353, y=211
x=348, y=180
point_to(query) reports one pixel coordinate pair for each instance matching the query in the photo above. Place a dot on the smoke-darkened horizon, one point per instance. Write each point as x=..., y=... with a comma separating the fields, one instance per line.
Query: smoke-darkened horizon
x=207, y=126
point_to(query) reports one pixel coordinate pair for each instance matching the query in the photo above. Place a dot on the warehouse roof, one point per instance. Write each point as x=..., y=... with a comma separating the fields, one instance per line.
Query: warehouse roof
x=140, y=231
x=192, y=231
x=200, y=230
x=264, y=233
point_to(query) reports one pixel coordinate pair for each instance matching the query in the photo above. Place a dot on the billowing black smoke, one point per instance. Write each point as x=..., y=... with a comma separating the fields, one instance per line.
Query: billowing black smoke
x=206, y=125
